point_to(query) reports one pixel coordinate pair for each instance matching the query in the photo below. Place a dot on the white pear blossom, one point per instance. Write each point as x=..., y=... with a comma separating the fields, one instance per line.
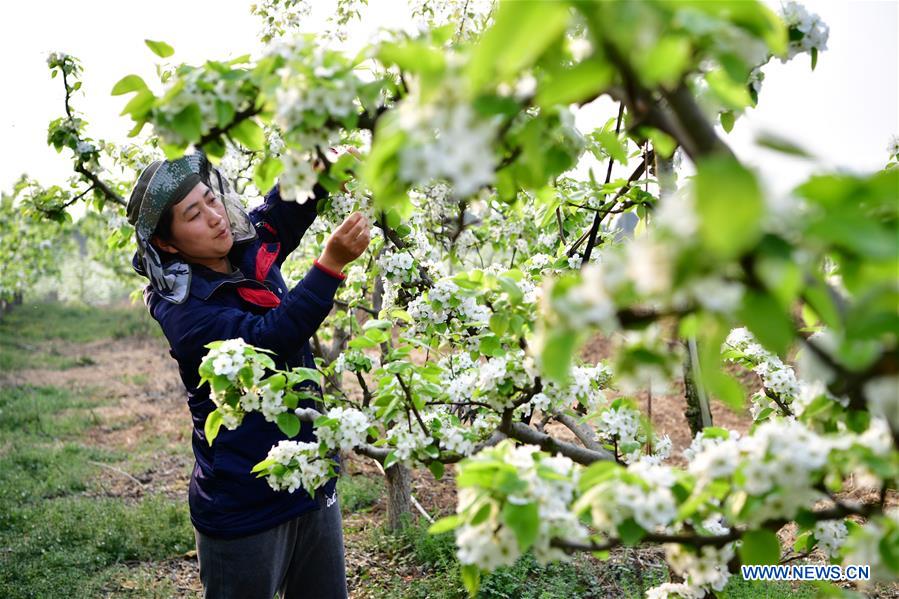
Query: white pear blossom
x=351, y=429
x=407, y=442
x=298, y=178
x=814, y=31
x=893, y=146
x=830, y=534
x=707, y=566
x=649, y=265
x=302, y=466
x=271, y=402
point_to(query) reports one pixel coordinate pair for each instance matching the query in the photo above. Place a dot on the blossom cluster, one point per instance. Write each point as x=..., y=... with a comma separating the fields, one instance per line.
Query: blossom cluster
x=342, y=428
x=290, y=465
x=547, y=482
x=779, y=487
x=316, y=91
x=206, y=89
x=446, y=139
x=585, y=388
x=407, y=442
x=812, y=32
x=397, y=266
x=228, y=358
x=499, y=378
x=641, y=492
x=444, y=303
x=777, y=377
x=706, y=566
x=354, y=360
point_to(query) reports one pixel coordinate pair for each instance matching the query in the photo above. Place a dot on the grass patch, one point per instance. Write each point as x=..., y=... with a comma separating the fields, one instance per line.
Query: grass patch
x=358, y=493
x=737, y=588
x=27, y=333
x=78, y=324
x=62, y=547
x=49, y=412
x=55, y=540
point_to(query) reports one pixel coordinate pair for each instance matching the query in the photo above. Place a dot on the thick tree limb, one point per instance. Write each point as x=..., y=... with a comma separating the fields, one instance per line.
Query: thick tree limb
x=581, y=455
x=583, y=433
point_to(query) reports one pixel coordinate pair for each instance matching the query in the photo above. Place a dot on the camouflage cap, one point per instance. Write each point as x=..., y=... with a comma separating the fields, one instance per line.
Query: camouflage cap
x=162, y=184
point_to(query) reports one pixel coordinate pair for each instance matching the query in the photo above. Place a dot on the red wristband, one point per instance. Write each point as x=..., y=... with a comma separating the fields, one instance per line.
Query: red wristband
x=329, y=271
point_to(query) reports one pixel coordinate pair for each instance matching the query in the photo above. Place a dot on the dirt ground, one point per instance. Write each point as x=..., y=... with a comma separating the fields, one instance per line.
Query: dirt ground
x=145, y=399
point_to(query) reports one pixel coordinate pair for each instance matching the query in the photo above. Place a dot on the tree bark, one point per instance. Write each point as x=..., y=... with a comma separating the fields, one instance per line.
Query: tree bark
x=399, y=493
x=693, y=412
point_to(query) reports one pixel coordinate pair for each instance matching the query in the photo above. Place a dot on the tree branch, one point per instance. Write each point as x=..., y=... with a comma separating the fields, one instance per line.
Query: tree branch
x=583, y=433
x=581, y=455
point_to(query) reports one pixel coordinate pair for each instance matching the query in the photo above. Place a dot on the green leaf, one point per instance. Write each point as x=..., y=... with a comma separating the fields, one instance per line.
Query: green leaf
x=139, y=105
x=266, y=171
x=512, y=290
x=782, y=277
x=767, y=320
x=390, y=460
x=814, y=54
x=759, y=547
x=612, y=145
x=212, y=426
x=729, y=204
x=775, y=142
x=471, y=578
x=307, y=374
x=499, y=323
x=734, y=95
x=250, y=134
x=289, y=423
x=188, y=123
x=160, y=49
x=377, y=324
x=665, y=62
x=263, y=465
x=725, y=388
x=128, y=83
x=490, y=346
x=445, y=524
x=437, y=469
x=524, y=520
x=414, y=56
x=662, y=143
x=520, y=34
x=377, y=335
x=727, y=120
x=630, y=532
x=576, y=84
x=224, y=113
x=361, y=343
x=557, y=353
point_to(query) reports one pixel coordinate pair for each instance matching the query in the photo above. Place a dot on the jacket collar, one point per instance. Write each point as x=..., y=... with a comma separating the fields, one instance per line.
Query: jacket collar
x=206, y=281
x=203, y=281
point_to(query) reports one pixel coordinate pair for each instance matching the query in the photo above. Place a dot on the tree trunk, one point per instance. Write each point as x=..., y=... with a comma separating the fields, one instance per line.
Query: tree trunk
x=691, y=394
x=699, y=410
x=399, y=489
x=399, y=492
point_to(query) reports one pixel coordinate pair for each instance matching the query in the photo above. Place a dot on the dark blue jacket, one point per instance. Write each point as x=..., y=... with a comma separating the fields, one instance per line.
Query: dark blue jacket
x=226, y=500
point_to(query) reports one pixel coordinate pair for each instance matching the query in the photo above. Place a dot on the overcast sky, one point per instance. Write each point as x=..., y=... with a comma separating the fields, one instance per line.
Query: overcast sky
x=844, y=112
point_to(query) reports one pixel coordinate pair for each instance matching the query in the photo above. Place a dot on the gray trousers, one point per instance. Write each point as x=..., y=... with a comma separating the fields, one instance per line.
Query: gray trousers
x=298, y=559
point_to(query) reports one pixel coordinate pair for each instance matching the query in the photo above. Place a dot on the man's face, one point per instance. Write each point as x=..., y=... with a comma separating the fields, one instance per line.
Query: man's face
x=200, y=227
